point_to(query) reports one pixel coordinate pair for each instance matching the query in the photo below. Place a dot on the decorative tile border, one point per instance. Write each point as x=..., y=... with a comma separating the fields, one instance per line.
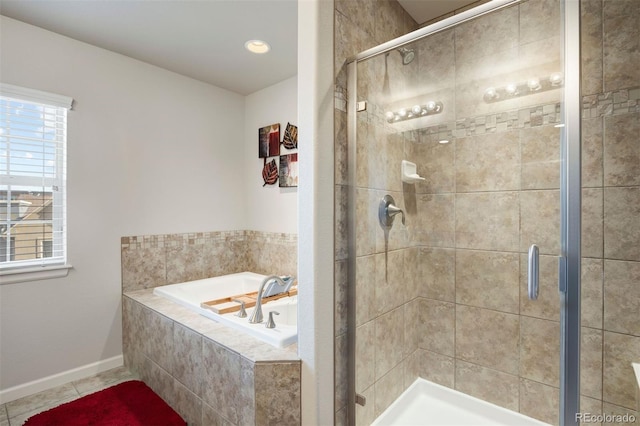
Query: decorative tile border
x=272, y=237
x=622, y=101
x=541, y=115
x=616, y=102
x=140, y=242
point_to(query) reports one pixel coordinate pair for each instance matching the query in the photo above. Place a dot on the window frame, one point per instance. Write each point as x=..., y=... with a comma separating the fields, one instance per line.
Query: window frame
x=40, y=268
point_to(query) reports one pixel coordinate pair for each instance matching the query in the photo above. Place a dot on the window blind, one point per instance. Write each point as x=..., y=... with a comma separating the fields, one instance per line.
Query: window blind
x=33, y=136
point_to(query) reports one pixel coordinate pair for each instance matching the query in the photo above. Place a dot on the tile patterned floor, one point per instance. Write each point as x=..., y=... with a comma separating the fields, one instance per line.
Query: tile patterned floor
x=15, y=413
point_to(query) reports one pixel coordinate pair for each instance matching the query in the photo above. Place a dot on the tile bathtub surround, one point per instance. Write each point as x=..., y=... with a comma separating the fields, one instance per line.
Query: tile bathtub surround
x=207, y=372
x=447, y=238
x=153, y=260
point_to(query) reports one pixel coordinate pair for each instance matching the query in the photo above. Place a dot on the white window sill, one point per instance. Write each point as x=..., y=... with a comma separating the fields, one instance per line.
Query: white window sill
x=34, y=273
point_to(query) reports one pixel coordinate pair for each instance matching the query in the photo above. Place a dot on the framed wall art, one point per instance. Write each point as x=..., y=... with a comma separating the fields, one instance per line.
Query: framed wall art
x=290, y=139
x=288, y=175
x=269, y=141
x=269, y=172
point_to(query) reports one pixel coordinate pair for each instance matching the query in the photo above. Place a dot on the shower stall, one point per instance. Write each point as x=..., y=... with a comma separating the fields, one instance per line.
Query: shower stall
x=466, y=217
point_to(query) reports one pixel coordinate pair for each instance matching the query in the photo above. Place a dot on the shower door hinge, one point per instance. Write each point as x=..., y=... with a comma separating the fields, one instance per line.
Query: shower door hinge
x=361, y=400
x=361, y=106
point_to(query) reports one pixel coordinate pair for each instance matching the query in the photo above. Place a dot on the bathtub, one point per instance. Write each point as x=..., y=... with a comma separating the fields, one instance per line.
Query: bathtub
x=426, y=403
x=191, y=294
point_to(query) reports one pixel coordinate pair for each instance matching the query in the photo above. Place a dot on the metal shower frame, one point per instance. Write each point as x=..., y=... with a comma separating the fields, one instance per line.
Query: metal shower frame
x=570, y=192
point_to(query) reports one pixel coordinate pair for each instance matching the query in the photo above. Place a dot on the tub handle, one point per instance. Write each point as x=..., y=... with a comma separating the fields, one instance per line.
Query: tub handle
x=242, y=313
x=270, y=322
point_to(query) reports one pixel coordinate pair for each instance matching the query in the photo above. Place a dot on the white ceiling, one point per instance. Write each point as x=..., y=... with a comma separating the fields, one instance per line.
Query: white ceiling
x=202, y=39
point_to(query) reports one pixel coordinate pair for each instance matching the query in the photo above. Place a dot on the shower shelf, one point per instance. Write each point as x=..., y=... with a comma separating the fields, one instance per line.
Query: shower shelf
x=409, y=172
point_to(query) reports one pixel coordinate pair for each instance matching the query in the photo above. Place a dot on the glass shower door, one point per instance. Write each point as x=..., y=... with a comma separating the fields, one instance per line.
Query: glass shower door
x=476, y=108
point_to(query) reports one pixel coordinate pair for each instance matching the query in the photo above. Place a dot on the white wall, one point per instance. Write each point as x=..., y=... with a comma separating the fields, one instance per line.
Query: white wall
x=269, y=208
x=316, y=201
x=150, y=152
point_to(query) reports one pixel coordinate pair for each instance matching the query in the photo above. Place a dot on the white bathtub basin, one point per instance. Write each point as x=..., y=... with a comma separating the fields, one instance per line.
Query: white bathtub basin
x=191, y=294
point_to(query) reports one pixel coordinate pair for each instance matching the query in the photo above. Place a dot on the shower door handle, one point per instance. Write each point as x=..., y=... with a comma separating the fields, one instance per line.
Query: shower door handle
x=533, y=272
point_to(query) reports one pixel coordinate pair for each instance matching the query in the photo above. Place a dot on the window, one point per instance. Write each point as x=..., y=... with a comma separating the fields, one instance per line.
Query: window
x=33, y=137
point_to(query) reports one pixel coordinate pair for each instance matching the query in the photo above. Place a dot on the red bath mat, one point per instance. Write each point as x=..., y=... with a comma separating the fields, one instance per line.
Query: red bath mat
x=129, y=403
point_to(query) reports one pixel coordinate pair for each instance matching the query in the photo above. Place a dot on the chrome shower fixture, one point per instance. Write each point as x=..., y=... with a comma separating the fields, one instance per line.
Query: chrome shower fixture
x=532, y=85
x=416, y=111
x=407, y=55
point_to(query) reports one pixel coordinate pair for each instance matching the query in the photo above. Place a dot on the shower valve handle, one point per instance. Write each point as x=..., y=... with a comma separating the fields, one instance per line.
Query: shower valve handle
x=387, y=210
x=393, y=210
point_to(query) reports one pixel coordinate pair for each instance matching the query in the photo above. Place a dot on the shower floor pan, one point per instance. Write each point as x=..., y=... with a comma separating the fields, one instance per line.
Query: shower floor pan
x=425, y=403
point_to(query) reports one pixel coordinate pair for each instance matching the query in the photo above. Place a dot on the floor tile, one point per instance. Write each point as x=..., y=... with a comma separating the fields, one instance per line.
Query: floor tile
x=47, y=398
x=15, y=413
x=103, y=380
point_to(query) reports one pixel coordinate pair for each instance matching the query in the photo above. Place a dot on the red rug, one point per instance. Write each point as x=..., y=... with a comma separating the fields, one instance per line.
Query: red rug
x=127, y=404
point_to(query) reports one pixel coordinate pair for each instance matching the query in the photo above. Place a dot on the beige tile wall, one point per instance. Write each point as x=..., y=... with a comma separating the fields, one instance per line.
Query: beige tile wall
x=458, y=278
x=359, y=25
x=153, y=260
x=611, y=201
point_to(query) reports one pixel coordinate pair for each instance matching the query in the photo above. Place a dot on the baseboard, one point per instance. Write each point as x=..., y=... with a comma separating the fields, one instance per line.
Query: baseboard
x=26, y=389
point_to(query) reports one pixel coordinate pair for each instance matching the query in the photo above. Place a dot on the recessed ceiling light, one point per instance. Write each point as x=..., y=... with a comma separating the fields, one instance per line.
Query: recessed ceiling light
x=257, y=46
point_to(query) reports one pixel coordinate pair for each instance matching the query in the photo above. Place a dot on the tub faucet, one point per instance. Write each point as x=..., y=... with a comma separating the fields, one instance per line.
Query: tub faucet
x=256, y=315
x=273, y=288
